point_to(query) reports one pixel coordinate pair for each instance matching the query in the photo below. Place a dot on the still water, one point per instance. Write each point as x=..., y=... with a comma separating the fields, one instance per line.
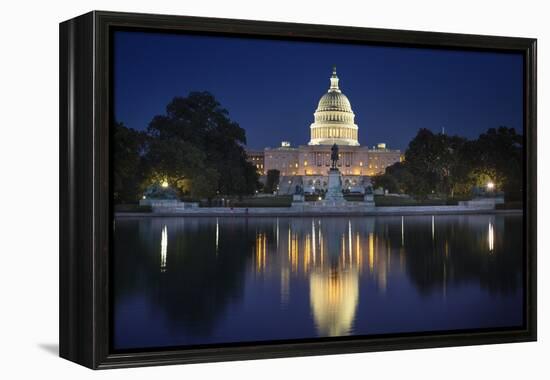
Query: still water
x=199, y=280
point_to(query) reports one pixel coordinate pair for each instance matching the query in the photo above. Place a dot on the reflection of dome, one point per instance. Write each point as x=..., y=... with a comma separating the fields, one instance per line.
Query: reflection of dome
x=334, y=118
x=334, y=296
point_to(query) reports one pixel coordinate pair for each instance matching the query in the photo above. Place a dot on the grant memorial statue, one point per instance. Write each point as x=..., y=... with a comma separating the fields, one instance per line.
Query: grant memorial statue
x=334, y=156
x=334, y=188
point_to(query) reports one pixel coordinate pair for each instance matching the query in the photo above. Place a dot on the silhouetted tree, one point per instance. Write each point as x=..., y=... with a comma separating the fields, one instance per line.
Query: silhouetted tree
x=452, y=165
x=500, y=157
x=272, y=181
x=198, y=149
x=128, y=145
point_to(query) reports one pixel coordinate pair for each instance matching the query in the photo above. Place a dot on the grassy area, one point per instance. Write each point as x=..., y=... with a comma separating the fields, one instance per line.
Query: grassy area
x=278, y=201
x=132, y=208
x=380, y=201
x=312, y=197
x=517, y=205
x=384, y=201
x=354, y=197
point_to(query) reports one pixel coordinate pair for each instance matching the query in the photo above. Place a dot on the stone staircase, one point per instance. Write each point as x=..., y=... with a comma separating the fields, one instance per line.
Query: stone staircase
x=287, y=184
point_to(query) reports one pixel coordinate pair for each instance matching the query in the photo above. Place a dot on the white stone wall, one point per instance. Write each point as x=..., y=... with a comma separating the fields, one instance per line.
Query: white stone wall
x=315, y=160
x=283, y=159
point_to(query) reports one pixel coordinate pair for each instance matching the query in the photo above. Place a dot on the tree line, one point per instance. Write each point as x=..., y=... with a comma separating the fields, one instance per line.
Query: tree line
x=452, y=166
x=194, y=149
x=197, y=151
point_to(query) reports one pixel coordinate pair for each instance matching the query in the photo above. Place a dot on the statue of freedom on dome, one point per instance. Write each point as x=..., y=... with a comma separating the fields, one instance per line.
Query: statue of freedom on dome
x=334, y=156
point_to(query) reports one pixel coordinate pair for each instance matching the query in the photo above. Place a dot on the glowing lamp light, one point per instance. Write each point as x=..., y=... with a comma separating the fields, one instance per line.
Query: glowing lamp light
x=490, y=185
x=320, y=198
x=164, y=184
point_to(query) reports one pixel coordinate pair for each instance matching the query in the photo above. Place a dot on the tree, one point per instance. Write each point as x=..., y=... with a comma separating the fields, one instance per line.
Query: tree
x=174, y=161
x=271, y=181
x=128, y=145
x=500, y=160
x=198, y=149
x=438, y=164
x=453, y=165
x=422, y=157
x=385, y=181
x=402, y=176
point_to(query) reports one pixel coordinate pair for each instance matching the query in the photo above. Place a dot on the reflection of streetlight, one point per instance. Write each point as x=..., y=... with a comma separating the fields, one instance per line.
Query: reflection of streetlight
x=490, y=185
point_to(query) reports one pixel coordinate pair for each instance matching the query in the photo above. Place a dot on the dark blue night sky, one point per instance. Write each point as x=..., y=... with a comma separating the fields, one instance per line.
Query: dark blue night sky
x=271, y=88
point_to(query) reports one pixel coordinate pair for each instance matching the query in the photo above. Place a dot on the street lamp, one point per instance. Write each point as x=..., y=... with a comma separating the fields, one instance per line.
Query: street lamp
x=490, y=186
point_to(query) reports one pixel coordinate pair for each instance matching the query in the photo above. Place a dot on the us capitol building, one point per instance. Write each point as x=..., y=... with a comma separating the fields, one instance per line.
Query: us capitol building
x=307, y=165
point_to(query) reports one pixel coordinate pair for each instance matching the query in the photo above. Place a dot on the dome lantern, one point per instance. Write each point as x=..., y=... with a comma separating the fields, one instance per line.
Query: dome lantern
x=334, y=81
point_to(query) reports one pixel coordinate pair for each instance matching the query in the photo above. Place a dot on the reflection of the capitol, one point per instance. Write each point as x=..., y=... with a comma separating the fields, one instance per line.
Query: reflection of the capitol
x=334, y=295
x=332, y=259
x=333, y=254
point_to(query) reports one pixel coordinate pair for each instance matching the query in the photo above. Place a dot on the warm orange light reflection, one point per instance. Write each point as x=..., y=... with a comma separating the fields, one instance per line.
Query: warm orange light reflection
x=371, y=252
x=261, y=247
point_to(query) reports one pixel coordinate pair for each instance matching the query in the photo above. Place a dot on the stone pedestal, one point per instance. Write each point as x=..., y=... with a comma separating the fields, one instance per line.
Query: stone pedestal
x=369, y=199
x=298, y=198
x=334, y=187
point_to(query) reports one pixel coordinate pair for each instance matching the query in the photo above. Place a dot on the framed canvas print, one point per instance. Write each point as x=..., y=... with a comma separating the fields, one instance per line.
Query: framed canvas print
x=237, y=189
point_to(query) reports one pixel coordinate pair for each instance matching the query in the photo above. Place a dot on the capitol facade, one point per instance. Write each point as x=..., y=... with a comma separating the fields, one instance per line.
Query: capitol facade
x=308, y=165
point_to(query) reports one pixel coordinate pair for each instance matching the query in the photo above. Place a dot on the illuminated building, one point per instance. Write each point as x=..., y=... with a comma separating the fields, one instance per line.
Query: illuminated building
x=307, y=165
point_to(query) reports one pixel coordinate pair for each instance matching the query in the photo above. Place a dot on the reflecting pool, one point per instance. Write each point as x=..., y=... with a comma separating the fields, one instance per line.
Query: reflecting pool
x=198, y=280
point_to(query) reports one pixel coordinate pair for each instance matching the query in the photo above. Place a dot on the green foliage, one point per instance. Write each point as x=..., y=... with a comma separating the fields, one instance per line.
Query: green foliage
x=279, y=201
x=271, y=181
x=397, y=179
x=437, y=163
x=194, y=147
x=156, y=191
x=204, y=184
x=393, y=201
x=203, y=147
x=127, y=164
x=451, y=166
x=385, y=181
x=500, y=154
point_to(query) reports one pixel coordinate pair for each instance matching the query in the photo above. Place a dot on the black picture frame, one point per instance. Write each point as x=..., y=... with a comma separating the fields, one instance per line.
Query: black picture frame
x=85, y=205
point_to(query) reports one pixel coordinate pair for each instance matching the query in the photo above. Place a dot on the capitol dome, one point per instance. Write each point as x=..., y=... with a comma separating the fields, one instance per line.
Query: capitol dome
x=334, y=101
x=334, y=119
